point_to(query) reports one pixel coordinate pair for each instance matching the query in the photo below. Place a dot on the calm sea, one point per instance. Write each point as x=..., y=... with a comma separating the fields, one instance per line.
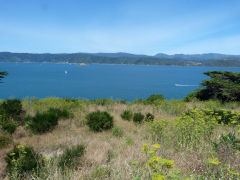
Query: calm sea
x=100, y=81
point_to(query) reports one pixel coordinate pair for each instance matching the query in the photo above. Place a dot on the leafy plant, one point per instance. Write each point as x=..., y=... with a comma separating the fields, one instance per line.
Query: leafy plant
x=117, y=132
x=138, y=117
x=12, y=108
x=98, y=121
x=149, y=117
x=154, y=99
x=70, y=157
x=127, y=115
x=23, y=159
x=43, y=122
x=7, y=124
x=194, y=126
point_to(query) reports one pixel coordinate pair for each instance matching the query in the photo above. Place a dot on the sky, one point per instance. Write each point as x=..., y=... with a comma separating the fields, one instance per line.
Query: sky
x=133, y=26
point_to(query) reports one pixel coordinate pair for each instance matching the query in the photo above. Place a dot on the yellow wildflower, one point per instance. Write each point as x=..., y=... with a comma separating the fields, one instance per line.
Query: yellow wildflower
x=156, y=146
x=145, y=147
x=158, y=176
x=12, y=154
x=233, y=172
x=213, y=161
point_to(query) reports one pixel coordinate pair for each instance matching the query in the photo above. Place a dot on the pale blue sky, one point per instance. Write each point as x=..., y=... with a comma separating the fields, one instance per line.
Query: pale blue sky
x=134, y=26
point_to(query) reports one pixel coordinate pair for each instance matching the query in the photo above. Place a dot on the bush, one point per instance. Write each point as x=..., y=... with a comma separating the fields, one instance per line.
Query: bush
x=7, y=124
x=13, y=108
x=70, y=157
x=98, y=121
x=149, y=117
x=127, y=115
x=138, y=117
x=117, y=131
x=23, y=159
x=154, y=98
x=4, y=141
x=60, y=113
x=194, y=126
x=43, y=122
x=224, y=116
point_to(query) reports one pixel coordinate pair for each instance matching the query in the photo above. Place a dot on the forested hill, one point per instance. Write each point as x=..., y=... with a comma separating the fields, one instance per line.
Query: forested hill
x=124, y=58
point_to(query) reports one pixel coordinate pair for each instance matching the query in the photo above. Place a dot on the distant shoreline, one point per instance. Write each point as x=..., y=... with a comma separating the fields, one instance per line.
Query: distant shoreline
x=118, y=64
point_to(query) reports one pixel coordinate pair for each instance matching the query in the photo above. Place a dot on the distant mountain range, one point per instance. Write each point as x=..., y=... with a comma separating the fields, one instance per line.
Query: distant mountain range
x=210, y=59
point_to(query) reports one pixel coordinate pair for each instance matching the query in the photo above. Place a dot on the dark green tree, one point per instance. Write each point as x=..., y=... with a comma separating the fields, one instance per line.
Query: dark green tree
x=222, y=85
x=2, y=75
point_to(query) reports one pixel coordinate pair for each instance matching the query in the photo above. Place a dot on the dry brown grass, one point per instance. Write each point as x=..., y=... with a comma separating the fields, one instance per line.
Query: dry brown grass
x=103, y=149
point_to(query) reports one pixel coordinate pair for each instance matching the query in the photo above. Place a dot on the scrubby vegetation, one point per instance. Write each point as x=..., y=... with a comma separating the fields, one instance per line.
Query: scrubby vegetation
x=98, y=121
x=127, y=115
x=143, y=139
x=70, y=157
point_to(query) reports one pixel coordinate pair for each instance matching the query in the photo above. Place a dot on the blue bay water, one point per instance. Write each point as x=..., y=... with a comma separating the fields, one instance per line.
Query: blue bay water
x=100, y=81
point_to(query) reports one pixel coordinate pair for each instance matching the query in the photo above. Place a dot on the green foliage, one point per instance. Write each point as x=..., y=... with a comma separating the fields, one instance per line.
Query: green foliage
x=2, y=75
x=101, y=173
x=23, y=159
x=7, y=124
x=224, y=116
x=149, y=117
x=46, y=121
x=223, y=86
x=4, y=141
x=158, y=129
x=70, y=157
x=155, y=98
x=127, y=115
x=98, y=121
x=117, y=132
x=12, y=108
x=226, y=146
x=65, y=114
x=193, y=126
x=138, y=117
x=43, y=122
x=153, y=166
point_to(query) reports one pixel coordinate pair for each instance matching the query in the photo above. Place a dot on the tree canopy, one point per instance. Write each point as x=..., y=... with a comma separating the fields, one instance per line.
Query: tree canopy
x=2, y=75
x=222, y=85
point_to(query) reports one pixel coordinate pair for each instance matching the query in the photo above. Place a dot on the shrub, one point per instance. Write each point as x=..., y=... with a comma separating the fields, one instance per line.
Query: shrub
x=127, y=115
x=4, y=141
x=117, y=131
x=23, y=159
x=138, y=117
x=158, y=129
x=60, y=113
x=149, y=117
x=98, y=121
x=70, y=157
x=13, y=108
x=154, y=98
x=224, y=116
x=7, y=124
x=43, y=122
x=194, y=126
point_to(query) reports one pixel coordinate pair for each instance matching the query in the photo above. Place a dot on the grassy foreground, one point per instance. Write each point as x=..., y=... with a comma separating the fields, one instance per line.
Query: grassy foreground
x=191, y=146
